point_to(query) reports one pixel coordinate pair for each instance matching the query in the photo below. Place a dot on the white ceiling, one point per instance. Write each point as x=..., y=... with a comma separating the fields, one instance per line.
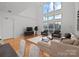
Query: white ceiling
x=17, y=7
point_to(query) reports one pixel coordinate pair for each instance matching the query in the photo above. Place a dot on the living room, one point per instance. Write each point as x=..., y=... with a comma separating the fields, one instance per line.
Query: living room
x=25, y=18
x=28, y=21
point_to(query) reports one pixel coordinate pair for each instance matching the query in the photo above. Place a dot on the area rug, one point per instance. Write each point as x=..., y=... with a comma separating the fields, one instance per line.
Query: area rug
x=34, y=50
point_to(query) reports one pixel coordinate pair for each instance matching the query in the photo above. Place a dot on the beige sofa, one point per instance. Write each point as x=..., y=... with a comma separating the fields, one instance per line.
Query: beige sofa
x=60, y=49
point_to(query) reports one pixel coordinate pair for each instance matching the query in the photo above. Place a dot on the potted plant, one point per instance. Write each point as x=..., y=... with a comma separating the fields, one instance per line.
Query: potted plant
x=36, y=29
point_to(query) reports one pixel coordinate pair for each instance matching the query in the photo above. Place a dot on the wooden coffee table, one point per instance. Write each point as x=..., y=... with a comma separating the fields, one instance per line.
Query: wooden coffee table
x=34, y=40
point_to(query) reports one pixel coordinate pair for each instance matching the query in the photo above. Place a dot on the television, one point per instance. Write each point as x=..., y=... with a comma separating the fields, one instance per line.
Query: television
x=29, y=29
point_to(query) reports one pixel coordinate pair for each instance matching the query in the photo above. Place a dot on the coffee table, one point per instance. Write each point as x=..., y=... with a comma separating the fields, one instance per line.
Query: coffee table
x=35, y=40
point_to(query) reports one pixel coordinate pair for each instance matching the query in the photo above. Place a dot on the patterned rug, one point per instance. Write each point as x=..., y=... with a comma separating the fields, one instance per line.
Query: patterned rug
x=34, y=50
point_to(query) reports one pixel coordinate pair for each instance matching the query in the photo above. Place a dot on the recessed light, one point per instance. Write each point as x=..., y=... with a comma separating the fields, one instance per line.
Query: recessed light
x=9, y=11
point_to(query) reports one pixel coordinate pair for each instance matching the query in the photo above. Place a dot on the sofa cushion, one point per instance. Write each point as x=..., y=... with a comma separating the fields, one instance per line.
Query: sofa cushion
x=63, y=50
x=68, y=41
x=76, y=42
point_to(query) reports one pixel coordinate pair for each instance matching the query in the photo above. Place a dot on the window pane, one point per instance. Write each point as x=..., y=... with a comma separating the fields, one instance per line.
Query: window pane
x=45, y=8
x=44, y=18
x=58, y=16
x=51, y=6
x=57, y=25
x=48, y=7
x=50, y=17
x=57, y=5
x=45, y=25
x=50, y=26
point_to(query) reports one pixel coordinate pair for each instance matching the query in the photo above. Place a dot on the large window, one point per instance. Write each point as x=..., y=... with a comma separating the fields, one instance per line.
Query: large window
x=52, y=12
x=57, y=5
x=48, y=7
x=58, y=16
x=52, y=8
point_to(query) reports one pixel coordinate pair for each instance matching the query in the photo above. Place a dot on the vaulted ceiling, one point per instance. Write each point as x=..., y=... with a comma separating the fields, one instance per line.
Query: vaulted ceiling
x=17, y=7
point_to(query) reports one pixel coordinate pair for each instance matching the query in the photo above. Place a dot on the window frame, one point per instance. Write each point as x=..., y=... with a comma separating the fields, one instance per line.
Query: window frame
x=54, y=14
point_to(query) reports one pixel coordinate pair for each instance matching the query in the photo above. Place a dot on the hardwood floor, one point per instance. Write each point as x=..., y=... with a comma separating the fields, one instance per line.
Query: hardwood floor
x=14, y=42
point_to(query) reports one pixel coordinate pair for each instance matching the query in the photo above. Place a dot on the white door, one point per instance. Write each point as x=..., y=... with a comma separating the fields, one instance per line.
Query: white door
x=7, y=28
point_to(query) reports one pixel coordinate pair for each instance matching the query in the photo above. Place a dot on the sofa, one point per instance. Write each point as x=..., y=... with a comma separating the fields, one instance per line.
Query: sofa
x=56, y=33
x=45, y=32
x=66, y=48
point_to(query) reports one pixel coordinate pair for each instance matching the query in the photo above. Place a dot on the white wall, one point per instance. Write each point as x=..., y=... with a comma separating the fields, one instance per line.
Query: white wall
x=69, y=21
x=39, y=18
x=30, y=17
x=75, y=22
x=0, y=27
x=3, y=28
x=33, y=16
x=20, y=23
x=68, y=17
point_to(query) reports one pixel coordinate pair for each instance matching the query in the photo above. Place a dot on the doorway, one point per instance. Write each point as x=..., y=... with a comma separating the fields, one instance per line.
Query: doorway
x=7, y=28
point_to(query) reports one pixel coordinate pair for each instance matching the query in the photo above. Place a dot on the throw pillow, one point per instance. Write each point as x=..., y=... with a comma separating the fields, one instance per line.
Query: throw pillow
x=45, y=39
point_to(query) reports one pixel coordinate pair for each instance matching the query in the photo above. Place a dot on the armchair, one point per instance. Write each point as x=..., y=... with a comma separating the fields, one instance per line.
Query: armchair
x=45, y=32
x=56, y=33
